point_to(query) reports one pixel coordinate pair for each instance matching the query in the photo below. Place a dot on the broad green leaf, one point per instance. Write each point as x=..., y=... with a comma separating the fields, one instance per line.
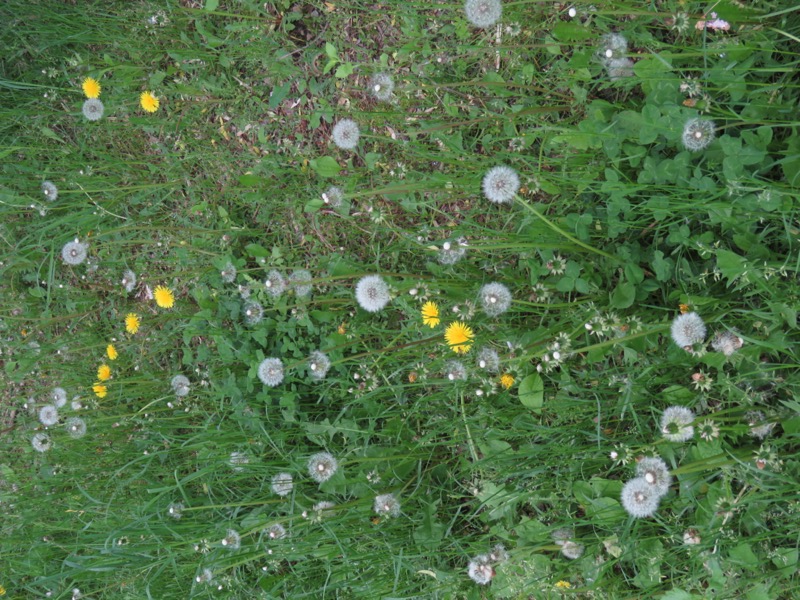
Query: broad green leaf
x=325, y=166
x=531, y=392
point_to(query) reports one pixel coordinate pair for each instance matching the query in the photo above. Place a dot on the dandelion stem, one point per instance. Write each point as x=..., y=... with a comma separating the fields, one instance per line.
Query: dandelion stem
x=470, y=443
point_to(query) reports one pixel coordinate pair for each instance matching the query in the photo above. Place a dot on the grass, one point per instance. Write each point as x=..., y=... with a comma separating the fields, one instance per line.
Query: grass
x=615, y=230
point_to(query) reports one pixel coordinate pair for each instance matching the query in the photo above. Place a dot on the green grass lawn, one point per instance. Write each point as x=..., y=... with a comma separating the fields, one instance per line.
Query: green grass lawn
x=393, y=300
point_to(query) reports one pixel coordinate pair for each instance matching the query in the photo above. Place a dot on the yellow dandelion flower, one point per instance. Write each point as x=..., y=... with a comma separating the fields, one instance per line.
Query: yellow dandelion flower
x=149, y=102
x=164, y=297
x=563, y=585
x=100, y=390
x=132, y=323
x=2, y=591
x=430, y=314
x=91, y=87
x=459, y=337
x=111, y=352
x=506, y=380
x=104, y=372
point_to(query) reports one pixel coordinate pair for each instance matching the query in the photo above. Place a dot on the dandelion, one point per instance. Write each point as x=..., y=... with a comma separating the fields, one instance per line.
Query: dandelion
x=100, y=390
x=614, y=46
x=455, y=370
x=48, y=415
x=206, y=576
x=500, y=184
x=149, y=102
x=499, y=554
x=276, y=532
x=639, y=498
x=180, y=385
x=93, y=109
x=759, y=426
x=483, y=13
x=275, y=284
x=318, y=365
x=687, y=330
x=132, y=323
x=253, y=313
x=450, y=253
x=128, y=280
x=164, y=297
x=59, y=397
x=175, y=510
x=495, y=298
x=488, y=359
x=50, y=191
x=572, y=550
x=322, y=466
x=430, y=314
x=459, y=337
x=74, y=253
x=104, y=372
x=111, y=352
x=228, y=273
x=507, y=380
x=76, y=427
x=345, y=134
x=333, y=197
x=41, y=442
x=387, y=505
x=381, y=86
x=691, y=537
x=698, y=134
x=282, y=484
x=726, y=342
x=619, y=68
x=300, y=282
x=238, y=461
x=655, y=472
x=232, y=540
x=270, y=371
x=480, y=569
x=372, y=293
x=91, y=87
x=708, y=430
x=676, y=424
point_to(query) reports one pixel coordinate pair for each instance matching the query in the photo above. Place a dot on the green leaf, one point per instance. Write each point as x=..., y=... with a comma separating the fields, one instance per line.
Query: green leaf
x=248, y=180
x=565, y=31
x=743, y=555
x=623, y=295
x=325, y=166
x=211, y=5
x=344, y=70
x=531, y=392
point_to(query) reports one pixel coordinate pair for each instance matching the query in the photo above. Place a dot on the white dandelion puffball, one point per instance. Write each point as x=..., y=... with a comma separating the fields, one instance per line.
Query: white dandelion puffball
x=727, y=342
x=676, y=424
x=480, y=569
x=495, y=299
x=76, y=427
x=180, y=385
x=500, y=184
x=300, y=282
x=322, y=466
x=232, y=540
x=74, y=253
x=345, y=134
x=483, y=13
x=276, y=532
x=282, y=484
x=48, y=415
x=93, y=109
x=387, y=505
x=59, y=397
x=655, y=472
x=50, y=191
x=252, y=312
x=381, y=87
x=41, y=442
x=698, y=134
x=333, y=196
x=275, y=284
x=488, y=360
x=455, y=370
x=318, y=365
x=128, y=280
x=372, y=293
x=639, y=498
x=270, y=371
x=687, y=330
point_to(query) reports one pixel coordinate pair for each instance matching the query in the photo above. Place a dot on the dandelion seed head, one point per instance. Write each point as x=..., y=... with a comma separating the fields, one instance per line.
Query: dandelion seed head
x=175, y=510
x=698, y=134
x=639, y=498
x=572, y=550
x=180, y=385
x=619, y=68
x=345, y=134
x=333, y=197
x=48, y=415
x=676, y=424
x=253, y=313
x=50, y=191
x=228, y=273
x=282, y=484
x=58, y=397
x=41, y=442
x=128, y=280
x=76, y=427
x=276, y=532
x=495, y=299
x=93, y=109
x=270, y=371
x=386, y=505
x=318, y=365
x=656, y=472
x=483, y=13
x=322, y=466
x=381, y=87
x=488, y=359
x=275, y=284
x=372, y=293
x=500, y=184
x=74, y=253
x=455, y=370
x=726, y=342
x=480, y=569
x=300, y=282
x=232, y=540
x=687, y=330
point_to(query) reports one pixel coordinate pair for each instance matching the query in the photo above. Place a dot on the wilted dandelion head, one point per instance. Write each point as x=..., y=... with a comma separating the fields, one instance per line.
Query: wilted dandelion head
x=299, y=281
x=228, y=273
x=238, y=461
x=41, y=442
x=180, y=385
x=500, y=184
x=759, y=426
x=93, y=109
x=619, y=68
x=572, y=550
x=459, y=337
x=252, y=312
x=345, y=134
x=387, y=505
x=676, y=424
x=49, y=191
x=322, y=466
x=698, y=134
x=483, y=13
x=488, y=360
x=691, y=537
x=276, y=532
x=76, y=427
x=59, y=397
x=381, y=86
x=318, y=365
x=454, y=370
x=687, y=330
x=175, y=510
x=205, y=576
x=232, y=540
x=275, y=284
x=639, y=498
x=322, y=506
x=270, y=371
x=656, y=473
x=495, y=299
x=372, y=293
x=48, y=415
x=726, y=342
x=333, y=197
x=74, y=253
x=128, y=280
x=480, y=569
x=282, y=484
x=499, y=554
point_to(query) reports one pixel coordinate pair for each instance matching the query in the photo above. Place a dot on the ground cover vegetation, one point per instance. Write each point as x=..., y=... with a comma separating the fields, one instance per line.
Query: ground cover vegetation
x=359, y=299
